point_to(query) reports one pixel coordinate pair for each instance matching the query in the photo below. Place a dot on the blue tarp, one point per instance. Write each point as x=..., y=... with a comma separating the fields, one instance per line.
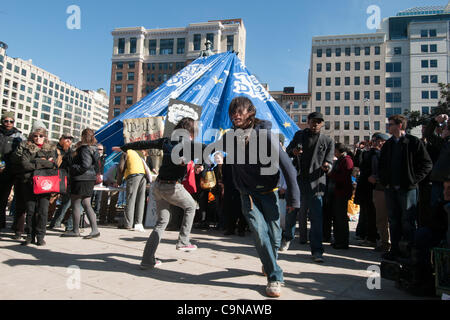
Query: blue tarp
x=210, y=82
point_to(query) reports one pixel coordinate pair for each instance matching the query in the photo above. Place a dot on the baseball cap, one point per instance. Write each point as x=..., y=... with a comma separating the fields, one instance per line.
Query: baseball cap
x=316, y=115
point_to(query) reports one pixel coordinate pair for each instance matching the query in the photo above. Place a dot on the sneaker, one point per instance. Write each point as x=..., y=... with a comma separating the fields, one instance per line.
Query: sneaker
x=284, y=246
x=188, y=248
x=318, y=258
x=273, y=289
x=41, y=243
x=149, y=267
x=139, y=228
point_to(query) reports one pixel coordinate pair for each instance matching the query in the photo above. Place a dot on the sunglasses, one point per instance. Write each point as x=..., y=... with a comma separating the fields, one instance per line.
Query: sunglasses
x=100, y=149
x=38, y=136
x=8, y=121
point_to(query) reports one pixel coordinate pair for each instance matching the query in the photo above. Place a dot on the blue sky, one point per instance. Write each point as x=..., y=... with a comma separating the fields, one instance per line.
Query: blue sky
x=278, y=32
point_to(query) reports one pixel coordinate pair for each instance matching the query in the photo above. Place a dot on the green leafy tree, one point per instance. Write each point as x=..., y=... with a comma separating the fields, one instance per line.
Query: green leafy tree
x=415, y=118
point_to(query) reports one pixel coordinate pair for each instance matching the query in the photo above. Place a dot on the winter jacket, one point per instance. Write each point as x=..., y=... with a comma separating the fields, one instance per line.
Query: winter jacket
x=441, y=169
x=323, y=152
x=29, y=157
x=416, y=160
x=342, y=177
x=85, y=164
x=9, y=142
x=247, y=177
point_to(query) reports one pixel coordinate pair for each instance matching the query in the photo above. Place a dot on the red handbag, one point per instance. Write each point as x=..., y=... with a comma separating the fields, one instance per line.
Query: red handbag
x=49, y=181
x=189, y=180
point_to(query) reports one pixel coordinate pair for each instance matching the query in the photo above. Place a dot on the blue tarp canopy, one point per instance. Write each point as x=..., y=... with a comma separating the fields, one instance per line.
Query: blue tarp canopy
x=212, y=83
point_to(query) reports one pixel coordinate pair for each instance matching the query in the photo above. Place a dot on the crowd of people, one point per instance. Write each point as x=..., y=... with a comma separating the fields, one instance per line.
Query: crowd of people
x=400, y=182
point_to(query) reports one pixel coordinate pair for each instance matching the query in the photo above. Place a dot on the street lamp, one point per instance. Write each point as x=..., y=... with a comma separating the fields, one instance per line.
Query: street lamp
x=368, y=112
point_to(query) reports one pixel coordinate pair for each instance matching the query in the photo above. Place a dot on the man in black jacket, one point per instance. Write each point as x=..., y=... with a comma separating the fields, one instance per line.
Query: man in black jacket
x=10, y=139
x=404, y=162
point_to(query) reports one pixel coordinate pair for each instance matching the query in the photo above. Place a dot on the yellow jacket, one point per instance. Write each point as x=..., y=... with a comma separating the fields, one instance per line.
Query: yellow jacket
x=134, y=164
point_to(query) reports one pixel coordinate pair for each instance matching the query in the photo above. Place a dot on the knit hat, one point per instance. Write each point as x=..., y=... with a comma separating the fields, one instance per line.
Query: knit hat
x=8, y=114
x=381, y=136
x=38, y=124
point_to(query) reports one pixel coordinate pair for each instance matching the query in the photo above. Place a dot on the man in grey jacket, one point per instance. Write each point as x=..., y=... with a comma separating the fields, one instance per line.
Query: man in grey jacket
x=313, y=155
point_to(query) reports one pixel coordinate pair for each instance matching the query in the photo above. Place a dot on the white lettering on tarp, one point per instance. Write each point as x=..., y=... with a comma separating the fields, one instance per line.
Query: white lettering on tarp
x=189, y=73
x=180, y=111
x=249, y=85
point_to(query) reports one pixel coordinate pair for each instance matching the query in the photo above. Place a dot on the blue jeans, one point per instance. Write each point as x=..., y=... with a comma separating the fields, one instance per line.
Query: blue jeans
x=263, y=217
x=402, y=209
x=311, y=205
x=61, y=213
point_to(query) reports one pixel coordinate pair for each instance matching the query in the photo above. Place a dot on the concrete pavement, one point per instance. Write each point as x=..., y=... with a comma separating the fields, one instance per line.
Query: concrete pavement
x=224, y=268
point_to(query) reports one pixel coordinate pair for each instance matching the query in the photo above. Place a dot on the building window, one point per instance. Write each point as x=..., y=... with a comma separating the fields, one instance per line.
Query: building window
x=328, y=96
x=377, y=95
x=327, y=111
x=433, y=94
x=130, y=76
x=357, y=66
x=346, y=125
x=347, y=81
x=337, y=125
x=398, y=50
x=318, y=82
x=347, y=111
x=366, y=125
x=394, y=67
x=129, y=100
x=121, y=45
x=393, y=82
x=166, y=46
x=367, y=81
x=357, y=51
x=337, y=111
x=356, y=125
x=347, y=66
x=119, y=76
x=338, y=52
x=327, y=125
x=377, y=65
x=328, y=53
x=181, y=45
x=377, y=80
x=433, y=63
x=118, y=88
x=425, y=110
x=230, y=43
x=425, y=79
x=304, y=118
x=393, y=97
x=424, y=48
x=357, y=81
x=318, y=109
x=328, y=66
x=117, y=101
x=116, y=112
x=433, y=47
x=357, y=111
x=424, y=33
x=318, y=96
x=347, y=96
x=377, y=50
x=133, y=45
x=337, y=96
x=328, y=82
x=152, y=47
x=319, y=53
x=367, y=51
x=197, y=41
x=348, y=52
x=130, y=88
x=434, y=79
x=357, y=96
x=433, y=33
x=338, y=66
x=377, y=110
x=367, y=65
x=319, y=67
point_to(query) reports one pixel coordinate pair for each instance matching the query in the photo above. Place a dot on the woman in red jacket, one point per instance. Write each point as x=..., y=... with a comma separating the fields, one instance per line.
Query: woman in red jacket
x=342, y=177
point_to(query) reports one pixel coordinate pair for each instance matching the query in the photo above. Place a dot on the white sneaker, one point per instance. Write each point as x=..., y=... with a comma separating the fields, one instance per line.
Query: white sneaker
x=139, y=228
x=273, y=289
x=284, y=246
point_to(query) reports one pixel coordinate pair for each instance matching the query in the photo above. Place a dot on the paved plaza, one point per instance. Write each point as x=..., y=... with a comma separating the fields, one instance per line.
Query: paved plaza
x=224, y=268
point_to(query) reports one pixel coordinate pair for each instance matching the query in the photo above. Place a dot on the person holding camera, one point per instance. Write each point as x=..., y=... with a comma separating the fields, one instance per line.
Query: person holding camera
x=313, y=155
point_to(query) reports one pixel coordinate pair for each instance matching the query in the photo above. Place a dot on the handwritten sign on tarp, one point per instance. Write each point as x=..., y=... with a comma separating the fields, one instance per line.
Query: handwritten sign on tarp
x=178, y=110
x=144, y=129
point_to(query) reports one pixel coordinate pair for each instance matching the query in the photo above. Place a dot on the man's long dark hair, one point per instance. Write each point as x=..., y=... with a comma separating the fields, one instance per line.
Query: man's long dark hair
x=188, y=124
x=238, y=105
